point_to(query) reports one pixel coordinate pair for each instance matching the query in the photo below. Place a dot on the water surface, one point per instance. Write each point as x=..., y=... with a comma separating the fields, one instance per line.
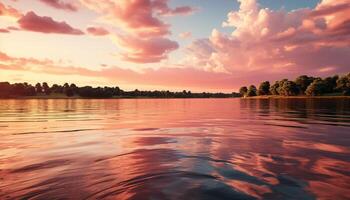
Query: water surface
x=175, y=149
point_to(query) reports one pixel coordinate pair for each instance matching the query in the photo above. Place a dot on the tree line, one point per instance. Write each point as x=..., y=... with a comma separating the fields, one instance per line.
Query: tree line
x=303, y=85
x=16, y=90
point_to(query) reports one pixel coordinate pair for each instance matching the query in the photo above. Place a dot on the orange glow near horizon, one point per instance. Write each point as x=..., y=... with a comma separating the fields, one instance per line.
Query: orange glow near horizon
x=165, y=45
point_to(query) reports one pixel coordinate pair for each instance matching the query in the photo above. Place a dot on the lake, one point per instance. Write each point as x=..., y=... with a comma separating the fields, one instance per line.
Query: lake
x=175, y=149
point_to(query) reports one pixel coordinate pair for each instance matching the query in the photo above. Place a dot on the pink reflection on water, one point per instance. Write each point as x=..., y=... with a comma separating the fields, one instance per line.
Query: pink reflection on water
x=129, y=149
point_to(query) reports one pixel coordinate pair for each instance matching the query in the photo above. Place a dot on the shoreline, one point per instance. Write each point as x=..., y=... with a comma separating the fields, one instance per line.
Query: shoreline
x=122, y=97
x=296, y=97
x=128, y=97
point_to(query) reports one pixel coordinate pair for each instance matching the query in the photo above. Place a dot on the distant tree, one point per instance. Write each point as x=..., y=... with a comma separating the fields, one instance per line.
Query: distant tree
x=24, y=89
x=343, y=84
x=46, y=89
x=280, y=86
x=264, y=88
x=69, y=92
x=316, y=88
x=234, y=94
x=57, y=88
x=274, y=88
x=30, y=90
x=136, y=93
x=243, y=91
x=252, y=91
x=289, y=88
x=18, y=89
x=38, y=88
x=5, y=89
x=117, y=91
x=303, y=82
x=331, y=83
x=74, y=88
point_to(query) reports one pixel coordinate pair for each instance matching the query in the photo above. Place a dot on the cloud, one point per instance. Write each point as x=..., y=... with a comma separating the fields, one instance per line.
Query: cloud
x=3, y=30
x=9, y=11
x=166, y=77
x=164, y=10
x=147, y=50
x=325, y=9
x=4, y=56
x=141, y=17
x=97, y=31
x=33, y=22
x=183, y=10
x=139, y=21
x=185, y=35
x=59, y=4
x=13, y=28
x=278, y=42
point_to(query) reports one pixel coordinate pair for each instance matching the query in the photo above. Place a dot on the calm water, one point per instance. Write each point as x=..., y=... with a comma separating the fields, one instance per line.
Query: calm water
x=175, y=149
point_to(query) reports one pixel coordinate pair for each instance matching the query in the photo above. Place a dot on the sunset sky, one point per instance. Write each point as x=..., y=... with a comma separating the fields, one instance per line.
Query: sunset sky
x=200, y=45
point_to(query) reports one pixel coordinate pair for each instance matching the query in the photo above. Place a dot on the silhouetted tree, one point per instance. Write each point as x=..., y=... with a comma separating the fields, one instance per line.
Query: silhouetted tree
x=16, y=90
x=331, y=83
x=5, y=89
x=251, y=91
x=343, y=84
x=57, y=88
x=274, y=88
x=264, y=88
x=46, y=89
x=117, y=91
x=280, y=85
x=234, y=94
x=303, y=82
x=69, y=92
x=73, y=88
x=316, y=88
x=243, y=91
x=38, y=88
x=28, y=90
x=288, y=88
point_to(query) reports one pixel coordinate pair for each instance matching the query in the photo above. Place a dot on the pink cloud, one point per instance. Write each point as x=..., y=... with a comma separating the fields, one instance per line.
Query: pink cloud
x=140, y=21
x=185, y=35
x=162, y=78
x=186, y=78
x=134, y=16
x=325, y=9
x=183, y=10
x=13, y=28
x=59, y=4
x=9, y=11
x=3, y=56
x=97, y=31
x=148, y=50
x=139, y=16
x=3, y=30
x=33, y=22
x=278, y=42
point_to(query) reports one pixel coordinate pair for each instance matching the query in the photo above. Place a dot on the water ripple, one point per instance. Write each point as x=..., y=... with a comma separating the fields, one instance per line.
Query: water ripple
x=175, y=149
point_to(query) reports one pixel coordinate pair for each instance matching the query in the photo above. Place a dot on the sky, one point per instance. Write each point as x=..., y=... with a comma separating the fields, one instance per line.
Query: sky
x=197, y=45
